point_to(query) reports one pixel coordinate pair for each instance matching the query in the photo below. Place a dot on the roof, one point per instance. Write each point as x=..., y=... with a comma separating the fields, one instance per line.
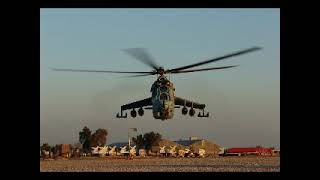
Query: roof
x=210, y=147
x=121, y=144
x=248, y=149
x=186, y=142
x=167, y=143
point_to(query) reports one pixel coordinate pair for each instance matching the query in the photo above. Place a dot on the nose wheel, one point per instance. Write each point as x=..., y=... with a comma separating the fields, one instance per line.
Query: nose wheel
x=203, y=115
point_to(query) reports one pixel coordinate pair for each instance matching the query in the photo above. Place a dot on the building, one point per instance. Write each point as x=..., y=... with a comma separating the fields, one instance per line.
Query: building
x=187, y=142
x=193, y=138
x=121, y=144
x=194, y=143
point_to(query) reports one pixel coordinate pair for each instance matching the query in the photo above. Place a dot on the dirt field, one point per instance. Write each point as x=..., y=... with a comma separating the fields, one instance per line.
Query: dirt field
x=155, y=164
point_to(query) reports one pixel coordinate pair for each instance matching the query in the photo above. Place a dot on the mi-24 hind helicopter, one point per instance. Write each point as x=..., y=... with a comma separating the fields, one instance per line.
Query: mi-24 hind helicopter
x=163, y=100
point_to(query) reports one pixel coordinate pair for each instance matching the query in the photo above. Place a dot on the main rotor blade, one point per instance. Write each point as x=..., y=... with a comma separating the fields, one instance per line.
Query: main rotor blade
x=79, y=70
x=142, y=55
x=140, y=75
x=215, y=59
x=205, y=69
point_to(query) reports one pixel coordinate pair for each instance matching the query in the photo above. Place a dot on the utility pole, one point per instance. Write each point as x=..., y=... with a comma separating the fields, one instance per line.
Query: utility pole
x=134, y=129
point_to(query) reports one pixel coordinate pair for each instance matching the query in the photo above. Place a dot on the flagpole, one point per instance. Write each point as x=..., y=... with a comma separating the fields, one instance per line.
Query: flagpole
x=129, y=138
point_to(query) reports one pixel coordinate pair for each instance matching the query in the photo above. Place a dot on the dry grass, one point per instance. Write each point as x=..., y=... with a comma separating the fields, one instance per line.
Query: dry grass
x=157, y=164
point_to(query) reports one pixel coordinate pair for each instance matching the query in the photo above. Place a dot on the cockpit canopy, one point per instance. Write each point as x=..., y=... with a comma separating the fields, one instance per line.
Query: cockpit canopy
x=164, y=96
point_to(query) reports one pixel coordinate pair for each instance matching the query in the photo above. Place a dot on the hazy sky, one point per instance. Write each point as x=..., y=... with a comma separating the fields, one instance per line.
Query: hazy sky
x=244, y=102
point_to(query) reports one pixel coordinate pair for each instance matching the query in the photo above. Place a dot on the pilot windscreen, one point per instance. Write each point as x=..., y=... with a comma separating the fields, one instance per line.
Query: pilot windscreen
x=164, y=89
x=164, y=96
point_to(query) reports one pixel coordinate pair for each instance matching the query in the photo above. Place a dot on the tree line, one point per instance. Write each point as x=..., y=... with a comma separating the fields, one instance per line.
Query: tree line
x=147, y=140
x=99, y=138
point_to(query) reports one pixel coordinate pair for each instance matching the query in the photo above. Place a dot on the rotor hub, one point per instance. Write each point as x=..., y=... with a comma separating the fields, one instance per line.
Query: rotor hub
x=160, y=71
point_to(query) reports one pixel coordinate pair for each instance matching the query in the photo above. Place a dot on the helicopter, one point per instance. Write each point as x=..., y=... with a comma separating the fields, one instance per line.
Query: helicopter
x=163, y=100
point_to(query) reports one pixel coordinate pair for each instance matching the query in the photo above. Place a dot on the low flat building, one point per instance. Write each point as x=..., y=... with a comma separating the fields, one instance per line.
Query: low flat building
x=121, y=144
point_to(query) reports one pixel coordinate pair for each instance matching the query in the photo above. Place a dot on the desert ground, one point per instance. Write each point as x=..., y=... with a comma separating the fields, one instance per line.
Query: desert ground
x=164, y=164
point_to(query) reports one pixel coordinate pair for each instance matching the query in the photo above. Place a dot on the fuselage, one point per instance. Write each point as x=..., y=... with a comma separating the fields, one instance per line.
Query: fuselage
x=162, y=98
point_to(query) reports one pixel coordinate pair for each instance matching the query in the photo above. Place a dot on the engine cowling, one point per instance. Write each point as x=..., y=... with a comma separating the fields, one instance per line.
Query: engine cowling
x=184, y=111
x=133, y=113
x=141, y=111
x=192, y=112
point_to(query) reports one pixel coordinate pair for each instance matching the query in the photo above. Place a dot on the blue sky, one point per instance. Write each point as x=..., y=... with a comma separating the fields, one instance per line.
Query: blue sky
x=244, y=101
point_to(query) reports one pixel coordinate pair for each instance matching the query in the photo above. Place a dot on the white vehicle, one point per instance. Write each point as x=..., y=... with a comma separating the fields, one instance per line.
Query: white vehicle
x=188, y=153
x=202, y=152
x=113, y=152
x=142, y=153
x=104, y=151
x=95, y=150
x=163, y=151
x=101, y=151
x=133, y=151
x=182, y=153
x=172, y=151
x=124, y=150
x=45, y=154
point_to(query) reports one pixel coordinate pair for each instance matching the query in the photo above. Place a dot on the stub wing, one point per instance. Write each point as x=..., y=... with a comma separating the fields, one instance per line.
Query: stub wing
x=137, y=104
x=184, y=102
